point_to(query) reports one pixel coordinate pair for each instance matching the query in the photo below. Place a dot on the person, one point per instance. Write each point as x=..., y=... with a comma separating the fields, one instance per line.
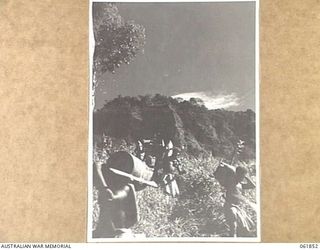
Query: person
x=163, y=159
x=166, y=163
x=236, y=217
x=154, y=155
x=118, y=209
x=140, y=151
x=158, y=148
x=176, y=162
x=120, y=178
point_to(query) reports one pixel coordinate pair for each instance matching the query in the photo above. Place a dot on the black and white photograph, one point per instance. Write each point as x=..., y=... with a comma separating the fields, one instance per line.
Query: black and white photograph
x=173, y=122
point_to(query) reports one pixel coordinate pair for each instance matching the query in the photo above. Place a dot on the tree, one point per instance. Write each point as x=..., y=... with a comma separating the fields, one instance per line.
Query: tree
x=116, y=41
x=196, y=101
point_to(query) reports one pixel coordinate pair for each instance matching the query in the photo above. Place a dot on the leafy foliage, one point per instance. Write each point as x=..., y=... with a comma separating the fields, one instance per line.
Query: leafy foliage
x=189, y=124
x=197, y=212
x=116, y=41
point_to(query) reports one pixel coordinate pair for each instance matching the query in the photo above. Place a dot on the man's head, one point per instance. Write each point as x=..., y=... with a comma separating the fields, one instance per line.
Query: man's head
x=240, y=173
x=150, y=160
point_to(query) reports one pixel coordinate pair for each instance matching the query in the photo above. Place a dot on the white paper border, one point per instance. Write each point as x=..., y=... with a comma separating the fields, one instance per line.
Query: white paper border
x=257, y=113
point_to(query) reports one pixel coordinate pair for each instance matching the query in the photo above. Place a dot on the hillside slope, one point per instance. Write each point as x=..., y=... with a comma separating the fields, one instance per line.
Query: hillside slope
x=188, y=124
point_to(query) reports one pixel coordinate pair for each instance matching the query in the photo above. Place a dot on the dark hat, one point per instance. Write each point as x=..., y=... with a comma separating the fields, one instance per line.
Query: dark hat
x=241, y=171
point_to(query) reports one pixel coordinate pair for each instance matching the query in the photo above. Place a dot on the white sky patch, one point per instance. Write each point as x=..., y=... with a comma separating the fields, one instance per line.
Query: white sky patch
x=212, y=101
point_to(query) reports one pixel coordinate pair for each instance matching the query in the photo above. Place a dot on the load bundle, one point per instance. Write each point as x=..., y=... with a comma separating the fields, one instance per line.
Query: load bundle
x=224, y=173
x=127, y=165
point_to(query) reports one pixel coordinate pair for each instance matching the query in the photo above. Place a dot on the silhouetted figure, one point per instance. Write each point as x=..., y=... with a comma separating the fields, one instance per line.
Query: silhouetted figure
x=120, y=178
x=140, y=151
x=118, y=210
x=235, y=181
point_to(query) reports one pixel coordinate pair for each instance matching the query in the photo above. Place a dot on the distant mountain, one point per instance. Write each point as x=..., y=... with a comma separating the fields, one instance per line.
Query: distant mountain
x=188, y=124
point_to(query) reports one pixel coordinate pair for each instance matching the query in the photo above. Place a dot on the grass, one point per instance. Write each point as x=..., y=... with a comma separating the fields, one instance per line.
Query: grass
x=196, y=212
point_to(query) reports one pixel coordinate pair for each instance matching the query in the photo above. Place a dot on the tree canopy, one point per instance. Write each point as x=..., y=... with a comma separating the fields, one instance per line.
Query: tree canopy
x=116, y=41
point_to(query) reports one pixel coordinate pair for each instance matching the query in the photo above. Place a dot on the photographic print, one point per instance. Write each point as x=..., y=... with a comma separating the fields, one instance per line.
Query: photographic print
x=174, y=111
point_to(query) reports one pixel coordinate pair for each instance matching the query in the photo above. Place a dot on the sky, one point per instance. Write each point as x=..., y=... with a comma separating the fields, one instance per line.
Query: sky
x=204, y=50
